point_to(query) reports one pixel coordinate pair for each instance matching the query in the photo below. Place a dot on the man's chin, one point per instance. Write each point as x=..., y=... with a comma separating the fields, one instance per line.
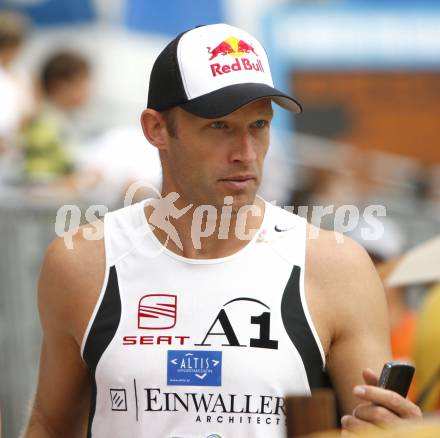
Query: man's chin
x=223, y=199
x=242, y=201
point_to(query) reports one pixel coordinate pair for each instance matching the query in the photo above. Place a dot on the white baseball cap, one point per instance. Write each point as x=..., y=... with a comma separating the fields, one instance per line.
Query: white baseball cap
x=211, y=71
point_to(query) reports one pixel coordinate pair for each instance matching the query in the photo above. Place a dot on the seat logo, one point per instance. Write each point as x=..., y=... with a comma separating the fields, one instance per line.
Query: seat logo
x=157, y=311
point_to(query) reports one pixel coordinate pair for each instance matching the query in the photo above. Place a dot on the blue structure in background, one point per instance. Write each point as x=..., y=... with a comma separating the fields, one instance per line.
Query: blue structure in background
x=353, y=34
x=54, y=12
x=171, y=16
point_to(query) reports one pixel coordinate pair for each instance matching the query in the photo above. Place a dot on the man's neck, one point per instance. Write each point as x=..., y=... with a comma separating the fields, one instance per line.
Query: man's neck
x=201, y=238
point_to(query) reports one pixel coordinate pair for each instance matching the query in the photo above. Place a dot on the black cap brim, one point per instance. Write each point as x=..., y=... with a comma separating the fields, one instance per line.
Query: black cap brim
x=226, y=100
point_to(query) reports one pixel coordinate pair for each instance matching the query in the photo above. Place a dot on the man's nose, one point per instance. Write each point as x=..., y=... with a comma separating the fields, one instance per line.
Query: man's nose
x=244, y=148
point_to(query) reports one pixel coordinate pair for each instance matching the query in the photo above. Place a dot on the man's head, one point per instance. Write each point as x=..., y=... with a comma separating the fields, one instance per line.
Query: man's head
x=209, y=113
x=205, y=160
x=65, y=78
x=13, y=29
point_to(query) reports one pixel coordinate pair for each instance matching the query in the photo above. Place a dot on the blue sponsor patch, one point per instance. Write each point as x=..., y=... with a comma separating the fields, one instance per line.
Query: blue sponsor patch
x=194, y=368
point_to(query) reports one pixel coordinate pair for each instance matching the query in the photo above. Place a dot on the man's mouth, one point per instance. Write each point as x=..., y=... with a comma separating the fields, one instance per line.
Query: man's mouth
x=238, y=182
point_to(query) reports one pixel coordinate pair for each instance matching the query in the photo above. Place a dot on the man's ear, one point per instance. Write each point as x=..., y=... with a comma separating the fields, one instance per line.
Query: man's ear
x=155, y=129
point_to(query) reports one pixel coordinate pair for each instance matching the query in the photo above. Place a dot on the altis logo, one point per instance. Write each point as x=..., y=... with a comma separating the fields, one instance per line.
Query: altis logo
x=236, y=48
x=194, y=368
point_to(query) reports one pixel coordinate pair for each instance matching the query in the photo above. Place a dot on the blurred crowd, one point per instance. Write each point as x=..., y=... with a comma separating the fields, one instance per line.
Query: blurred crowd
x=42, y=147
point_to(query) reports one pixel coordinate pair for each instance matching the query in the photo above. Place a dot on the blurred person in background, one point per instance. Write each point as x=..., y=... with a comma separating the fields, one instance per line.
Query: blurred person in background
x=16, y=91
x=56, y=156
x=427, y=351
x=403, y=319
x=48, y=153
x=420, y=266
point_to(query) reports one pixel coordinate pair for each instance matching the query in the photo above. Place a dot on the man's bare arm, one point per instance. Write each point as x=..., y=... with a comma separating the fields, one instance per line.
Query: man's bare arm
x=356, y=317
x=361, y=337
x=69, y=283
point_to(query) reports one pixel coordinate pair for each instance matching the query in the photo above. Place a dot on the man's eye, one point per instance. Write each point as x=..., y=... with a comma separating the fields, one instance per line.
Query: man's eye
x=218, y=125
x=260, y=124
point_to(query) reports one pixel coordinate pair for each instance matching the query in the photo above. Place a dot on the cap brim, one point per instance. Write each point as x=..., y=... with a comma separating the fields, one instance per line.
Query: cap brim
x=226, y=100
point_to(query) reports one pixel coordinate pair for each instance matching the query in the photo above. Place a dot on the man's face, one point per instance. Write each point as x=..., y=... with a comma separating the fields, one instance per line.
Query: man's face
x=209, y=159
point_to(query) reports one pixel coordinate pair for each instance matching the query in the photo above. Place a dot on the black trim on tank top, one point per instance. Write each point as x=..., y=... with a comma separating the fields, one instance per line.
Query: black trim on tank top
x=299, y=331
x=101, y=333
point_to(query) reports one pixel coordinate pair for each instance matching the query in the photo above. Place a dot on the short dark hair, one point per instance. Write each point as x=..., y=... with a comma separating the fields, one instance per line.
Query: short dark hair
x=63, y=67
x=170, y=120
x=13, y=29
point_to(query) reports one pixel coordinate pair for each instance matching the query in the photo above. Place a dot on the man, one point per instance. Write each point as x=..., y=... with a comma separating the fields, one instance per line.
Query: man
x=207, y=335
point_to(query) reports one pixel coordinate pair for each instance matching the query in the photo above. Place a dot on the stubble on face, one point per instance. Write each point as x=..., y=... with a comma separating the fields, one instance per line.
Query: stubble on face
x=205, y=164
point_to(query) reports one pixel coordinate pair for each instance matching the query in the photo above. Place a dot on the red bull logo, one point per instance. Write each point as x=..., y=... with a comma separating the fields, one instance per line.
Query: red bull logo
x=231, y=46
x=223, y=48
x=236, y=48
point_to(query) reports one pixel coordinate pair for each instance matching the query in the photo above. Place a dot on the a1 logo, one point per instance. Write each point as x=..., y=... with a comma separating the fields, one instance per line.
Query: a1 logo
x=263, y=320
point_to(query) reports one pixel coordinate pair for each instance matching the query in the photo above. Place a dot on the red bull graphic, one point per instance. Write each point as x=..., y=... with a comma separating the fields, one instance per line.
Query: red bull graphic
x=231, y=46
x=223, y=48
x=236, y=48
x=244, y=47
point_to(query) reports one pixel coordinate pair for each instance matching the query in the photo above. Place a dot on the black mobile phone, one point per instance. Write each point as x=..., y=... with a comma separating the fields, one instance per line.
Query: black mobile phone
x=397, y=377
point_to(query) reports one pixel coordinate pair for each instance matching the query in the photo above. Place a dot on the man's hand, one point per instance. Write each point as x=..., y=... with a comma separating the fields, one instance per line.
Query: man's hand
x=381, y=407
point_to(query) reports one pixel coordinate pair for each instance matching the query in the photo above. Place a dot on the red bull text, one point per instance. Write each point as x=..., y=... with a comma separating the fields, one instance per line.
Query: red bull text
x=239, y=64
x=236, y=49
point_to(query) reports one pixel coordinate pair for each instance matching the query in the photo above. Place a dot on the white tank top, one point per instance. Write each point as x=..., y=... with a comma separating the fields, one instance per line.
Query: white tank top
x=186, y=348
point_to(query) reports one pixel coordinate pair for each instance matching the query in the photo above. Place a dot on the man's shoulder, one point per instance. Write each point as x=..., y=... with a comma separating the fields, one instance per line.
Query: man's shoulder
x=78, y=248
x=74, y=260
x=325, y=250
x=333, y=246
x=342, y=283
x=334, y=257
x=71, y=278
